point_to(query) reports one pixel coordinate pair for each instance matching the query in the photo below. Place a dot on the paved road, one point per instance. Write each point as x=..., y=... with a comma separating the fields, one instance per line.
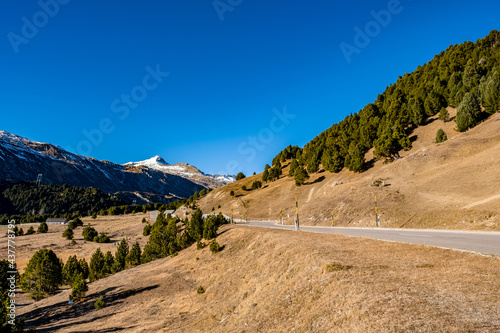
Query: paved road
x=478, y=241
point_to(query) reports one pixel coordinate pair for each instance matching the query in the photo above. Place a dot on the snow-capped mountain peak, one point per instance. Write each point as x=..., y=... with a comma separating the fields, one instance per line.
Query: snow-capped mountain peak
x=184, y=170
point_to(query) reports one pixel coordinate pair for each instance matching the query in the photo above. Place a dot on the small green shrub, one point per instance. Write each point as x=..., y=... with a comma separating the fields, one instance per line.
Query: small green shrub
x=337, y=267
x=68, y=233
x=99, y=304
x=30, y=231
x=201, y=290
x=214, y=246
x=43, y=228
x=147, y=230
x=102, y=238
x=200, y=245
x=441, y=136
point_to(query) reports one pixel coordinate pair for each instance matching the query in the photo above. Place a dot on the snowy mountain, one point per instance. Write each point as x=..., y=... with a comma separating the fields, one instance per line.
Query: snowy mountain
x=22, y=159
x=184, y=170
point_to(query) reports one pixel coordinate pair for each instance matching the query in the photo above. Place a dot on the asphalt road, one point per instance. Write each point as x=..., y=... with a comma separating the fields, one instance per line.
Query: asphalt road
x=484, y=242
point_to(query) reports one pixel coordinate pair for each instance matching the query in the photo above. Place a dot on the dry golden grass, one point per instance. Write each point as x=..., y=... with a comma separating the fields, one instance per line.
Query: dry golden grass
x=451, y=185
x=283, y=281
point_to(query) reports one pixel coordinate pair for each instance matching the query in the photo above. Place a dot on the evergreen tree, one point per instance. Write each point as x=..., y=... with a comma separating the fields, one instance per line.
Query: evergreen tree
x=300, y=176
x=120, y=256
x=134, y=256
x=79, y=288
x=293, y=165
x=30, y=231
x=468, y=112
x=355, y=161
x=256, y=185
x=97, y=266
x=444, y=115
x=89, y=233
x=196, y=225
x=109, y=260
x=265, y=175
x=490, y=92
x=43, y=228
x=83, y=268
x=70, y=270
x=240, y=175
x=441, y=136
x=68, y=233
x=147, y=230
x=42, y=275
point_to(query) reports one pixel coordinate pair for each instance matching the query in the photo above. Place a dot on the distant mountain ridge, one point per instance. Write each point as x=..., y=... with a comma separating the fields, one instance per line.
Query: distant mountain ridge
x=184, y=170
x=22, y=159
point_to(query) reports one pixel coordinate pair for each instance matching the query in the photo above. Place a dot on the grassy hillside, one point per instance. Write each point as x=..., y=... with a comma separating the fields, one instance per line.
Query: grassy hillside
x=450, y=185
x=282, y=281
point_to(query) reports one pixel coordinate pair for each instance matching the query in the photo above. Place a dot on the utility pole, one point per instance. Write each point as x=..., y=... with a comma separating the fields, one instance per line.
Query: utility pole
x=377, y=219
x=297, y=210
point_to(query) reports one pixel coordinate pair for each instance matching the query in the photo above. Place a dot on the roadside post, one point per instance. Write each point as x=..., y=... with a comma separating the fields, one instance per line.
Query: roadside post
x=333, y=221
x=377, y=219
x=297, y=210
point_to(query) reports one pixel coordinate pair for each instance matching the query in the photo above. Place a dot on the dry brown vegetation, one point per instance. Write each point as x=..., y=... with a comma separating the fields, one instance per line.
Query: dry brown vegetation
x=451, y=185
x=283, y=281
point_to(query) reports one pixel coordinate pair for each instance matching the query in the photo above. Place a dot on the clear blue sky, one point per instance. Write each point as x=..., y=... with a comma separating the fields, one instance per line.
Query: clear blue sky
x=74, y=70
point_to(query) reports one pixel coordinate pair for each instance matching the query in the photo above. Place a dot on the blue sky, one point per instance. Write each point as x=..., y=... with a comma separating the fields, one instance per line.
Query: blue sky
x=223, y=85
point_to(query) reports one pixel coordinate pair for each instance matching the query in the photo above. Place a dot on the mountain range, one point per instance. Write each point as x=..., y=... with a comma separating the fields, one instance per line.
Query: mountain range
x=155, y=180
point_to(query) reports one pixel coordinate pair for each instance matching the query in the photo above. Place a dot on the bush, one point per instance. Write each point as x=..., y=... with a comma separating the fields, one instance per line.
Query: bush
x=75, y=223
x=244, y=188
x=102, y=238
x=89, y=233
x=240, y=175
x=214, y=246
x=200, y=290
x=99, y=304
x=441, y=136
x=144, y=220
x=68, y=233
x=43, y=228
x=231, y=193
x=30, y=231
x=94, y=215
x=256, y=185
x=199, y=245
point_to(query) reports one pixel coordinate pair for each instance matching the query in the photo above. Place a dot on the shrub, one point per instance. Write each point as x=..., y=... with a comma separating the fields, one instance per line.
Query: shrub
x=256, y=185
x=94, y=215
x=99, y=304
x=75, y=223
x=43, y=228
x=89, y=233
x=200, y=290
x=102, y=238
x=441, y=136
x=240, y=175
x=30, y=231
x=144, y=220
x=68, y=233
x=214, y=246
x=231, y=193
x=199, y=245
x=244, y=188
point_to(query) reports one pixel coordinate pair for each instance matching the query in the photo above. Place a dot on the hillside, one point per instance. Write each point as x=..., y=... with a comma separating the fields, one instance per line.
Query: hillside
x=22, y=159
x=281, y=281
x=451, y=185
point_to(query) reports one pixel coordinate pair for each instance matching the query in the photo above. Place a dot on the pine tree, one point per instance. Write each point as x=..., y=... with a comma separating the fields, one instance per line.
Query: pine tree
x=355, y=161
x=68, y=233
x=70, y=270
x=43, y=228
x=240, y=175
x=97, y=263
x=468, y=112
x=134, y=256
x=300, y=176
x=444, y=115
x=441, y=136
x=30, y=231
x=265, y=175
x=120, y=256
x=490, y=92
x=42, y=275
x=196, y=225
x=109, y=260
x=79, y=288
x=83, y=268
x=293, y=165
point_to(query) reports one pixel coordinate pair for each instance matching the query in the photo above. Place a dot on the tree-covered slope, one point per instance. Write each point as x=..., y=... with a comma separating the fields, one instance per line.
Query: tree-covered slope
x=28, y=198
x=466, y=76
